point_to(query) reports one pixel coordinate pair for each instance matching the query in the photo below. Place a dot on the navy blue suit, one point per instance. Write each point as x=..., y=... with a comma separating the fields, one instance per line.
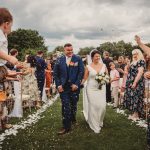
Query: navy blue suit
x=66, y=76
x=40, y=73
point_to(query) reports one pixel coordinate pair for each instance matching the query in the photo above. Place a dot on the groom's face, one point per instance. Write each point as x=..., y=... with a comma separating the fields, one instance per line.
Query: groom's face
x=68, y=51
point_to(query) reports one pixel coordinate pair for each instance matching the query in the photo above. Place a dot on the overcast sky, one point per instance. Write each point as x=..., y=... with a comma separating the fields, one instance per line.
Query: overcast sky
x=82, y=22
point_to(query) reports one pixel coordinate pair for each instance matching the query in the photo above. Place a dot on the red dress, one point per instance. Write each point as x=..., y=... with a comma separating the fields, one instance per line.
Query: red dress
x=48, y=75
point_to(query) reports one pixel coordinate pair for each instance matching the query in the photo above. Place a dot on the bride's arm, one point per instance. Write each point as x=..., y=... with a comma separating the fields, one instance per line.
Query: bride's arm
x=106, y=70
x=86, y=75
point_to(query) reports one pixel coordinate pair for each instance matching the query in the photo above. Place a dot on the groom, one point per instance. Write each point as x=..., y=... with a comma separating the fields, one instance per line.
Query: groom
x=68, y=73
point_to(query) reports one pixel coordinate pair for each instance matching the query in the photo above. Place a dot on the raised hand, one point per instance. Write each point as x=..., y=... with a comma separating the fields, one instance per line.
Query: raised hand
x=137, y=39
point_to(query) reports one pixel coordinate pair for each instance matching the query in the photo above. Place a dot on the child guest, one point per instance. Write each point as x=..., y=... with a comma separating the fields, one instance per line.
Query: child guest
x=114, y=75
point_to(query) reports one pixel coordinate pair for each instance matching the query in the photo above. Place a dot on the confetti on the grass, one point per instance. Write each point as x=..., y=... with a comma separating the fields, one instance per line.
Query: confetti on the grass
x=31, y=119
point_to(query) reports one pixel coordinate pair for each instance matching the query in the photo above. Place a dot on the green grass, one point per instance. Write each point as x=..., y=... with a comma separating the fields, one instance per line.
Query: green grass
x=118, y=133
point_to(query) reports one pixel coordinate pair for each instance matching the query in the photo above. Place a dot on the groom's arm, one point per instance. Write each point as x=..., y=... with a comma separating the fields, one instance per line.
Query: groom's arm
x=80, y=73
x=56, y=74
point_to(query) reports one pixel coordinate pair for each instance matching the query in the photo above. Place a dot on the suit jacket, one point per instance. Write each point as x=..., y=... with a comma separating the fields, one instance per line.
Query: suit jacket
x=72, y=74
x=40, y=68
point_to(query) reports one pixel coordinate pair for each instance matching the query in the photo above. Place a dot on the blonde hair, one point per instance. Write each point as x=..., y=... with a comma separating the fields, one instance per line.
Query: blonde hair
x=140, y=55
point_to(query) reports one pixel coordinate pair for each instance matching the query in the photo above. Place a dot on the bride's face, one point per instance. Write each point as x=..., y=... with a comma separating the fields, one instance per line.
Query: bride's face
x=96, y=58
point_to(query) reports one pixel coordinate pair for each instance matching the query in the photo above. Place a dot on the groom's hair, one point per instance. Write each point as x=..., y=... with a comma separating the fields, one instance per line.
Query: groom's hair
x=68, y=45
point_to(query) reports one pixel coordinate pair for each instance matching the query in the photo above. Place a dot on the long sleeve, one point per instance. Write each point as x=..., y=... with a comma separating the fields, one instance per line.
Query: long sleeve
x=80, y=73
x=56, y=74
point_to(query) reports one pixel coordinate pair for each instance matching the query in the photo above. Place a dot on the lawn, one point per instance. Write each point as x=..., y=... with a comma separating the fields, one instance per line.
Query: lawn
x=118, y=133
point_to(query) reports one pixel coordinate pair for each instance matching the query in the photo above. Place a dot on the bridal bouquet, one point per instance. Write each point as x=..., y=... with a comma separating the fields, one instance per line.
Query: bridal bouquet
x=102, y=79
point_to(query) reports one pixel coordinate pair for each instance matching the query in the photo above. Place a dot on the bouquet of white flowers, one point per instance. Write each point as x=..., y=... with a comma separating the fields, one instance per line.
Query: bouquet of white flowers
x=102, y=79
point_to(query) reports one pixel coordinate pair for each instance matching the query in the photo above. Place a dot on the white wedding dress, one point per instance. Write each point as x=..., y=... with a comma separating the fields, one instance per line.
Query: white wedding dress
x=94, y=101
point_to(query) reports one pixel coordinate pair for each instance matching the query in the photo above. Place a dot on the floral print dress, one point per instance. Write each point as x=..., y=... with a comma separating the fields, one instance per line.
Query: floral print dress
x=133, y=98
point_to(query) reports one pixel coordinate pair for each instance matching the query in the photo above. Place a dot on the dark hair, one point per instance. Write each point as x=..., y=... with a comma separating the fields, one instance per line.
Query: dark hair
x=5, y=16
x=106, y=53
x=94, y=52
x=68, y=45
x=31, y=60
x=13, y=51
x=40, y=52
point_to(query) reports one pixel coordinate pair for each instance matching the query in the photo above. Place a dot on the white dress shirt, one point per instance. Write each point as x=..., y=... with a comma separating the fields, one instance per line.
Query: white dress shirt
x=3, y=46
x=68, y=60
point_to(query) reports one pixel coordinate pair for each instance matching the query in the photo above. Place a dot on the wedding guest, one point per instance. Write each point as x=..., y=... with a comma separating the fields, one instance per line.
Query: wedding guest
x=17, y=109
x=147, y=79
x=134, y=91
x=114, y=75
x=107, y=61
x=6, y=21
x=48, y=74
x=120, y=67
x=14, y=53
x=146, y=49
x=115, y=60
x=29, y=83
x=40, y=71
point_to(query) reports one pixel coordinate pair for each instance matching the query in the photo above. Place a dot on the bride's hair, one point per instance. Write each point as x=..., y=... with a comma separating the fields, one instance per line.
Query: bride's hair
x=95, y=51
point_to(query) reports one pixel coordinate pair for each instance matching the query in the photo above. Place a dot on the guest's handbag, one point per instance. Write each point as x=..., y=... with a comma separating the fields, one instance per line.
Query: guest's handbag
x=3, y=95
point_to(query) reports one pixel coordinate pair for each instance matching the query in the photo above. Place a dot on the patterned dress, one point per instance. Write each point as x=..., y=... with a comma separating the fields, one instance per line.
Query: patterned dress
x=133, y=98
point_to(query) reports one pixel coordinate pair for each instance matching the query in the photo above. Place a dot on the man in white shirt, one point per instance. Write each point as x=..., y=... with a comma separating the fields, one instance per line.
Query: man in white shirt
x=6, y=21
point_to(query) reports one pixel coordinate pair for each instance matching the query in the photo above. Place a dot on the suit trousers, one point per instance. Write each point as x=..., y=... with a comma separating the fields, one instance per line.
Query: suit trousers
x=41, y=86
x=69, y=101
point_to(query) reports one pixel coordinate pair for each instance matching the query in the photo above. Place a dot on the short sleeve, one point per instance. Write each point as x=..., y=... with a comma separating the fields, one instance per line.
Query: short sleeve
x=117, y=74
x=141, y=63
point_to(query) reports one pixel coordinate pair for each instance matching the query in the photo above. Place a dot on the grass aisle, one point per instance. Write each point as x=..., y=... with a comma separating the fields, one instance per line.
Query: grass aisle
x=118, y=134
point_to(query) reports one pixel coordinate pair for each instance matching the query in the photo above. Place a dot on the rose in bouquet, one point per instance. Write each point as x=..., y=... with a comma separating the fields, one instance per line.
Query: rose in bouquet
x=102, y=79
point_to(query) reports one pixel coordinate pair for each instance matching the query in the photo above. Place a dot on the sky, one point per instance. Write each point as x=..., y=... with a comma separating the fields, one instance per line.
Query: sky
x=83, y=23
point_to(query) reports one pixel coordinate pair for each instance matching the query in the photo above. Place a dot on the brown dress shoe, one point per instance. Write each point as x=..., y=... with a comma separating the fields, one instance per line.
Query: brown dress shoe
x=63, y=131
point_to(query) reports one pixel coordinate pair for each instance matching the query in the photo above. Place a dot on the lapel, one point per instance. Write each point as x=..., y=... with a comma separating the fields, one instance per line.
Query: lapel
x=64, y=63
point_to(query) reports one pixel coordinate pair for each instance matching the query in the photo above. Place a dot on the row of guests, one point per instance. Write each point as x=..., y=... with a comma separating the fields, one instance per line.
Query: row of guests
x=128, y=78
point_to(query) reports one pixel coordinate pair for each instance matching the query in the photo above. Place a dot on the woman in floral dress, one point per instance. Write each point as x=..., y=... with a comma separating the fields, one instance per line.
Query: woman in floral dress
x=134, y=92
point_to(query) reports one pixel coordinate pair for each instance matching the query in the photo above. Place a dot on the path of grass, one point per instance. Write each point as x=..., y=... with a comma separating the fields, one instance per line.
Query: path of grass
x=118, y=134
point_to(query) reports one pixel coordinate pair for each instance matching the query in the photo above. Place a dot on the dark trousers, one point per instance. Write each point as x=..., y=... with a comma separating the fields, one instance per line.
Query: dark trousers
x=69, y=101
x=108, y=93
x=41, y=86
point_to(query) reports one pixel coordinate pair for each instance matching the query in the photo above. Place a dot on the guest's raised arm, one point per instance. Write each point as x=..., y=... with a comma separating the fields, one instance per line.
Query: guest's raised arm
x=145, y=48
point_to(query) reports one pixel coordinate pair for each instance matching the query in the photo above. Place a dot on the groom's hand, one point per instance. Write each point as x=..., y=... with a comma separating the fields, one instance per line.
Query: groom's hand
x=60, y=89
x=74, y=87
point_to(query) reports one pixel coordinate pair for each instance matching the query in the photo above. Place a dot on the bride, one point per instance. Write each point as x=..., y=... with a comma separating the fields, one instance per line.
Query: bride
x=94, y=99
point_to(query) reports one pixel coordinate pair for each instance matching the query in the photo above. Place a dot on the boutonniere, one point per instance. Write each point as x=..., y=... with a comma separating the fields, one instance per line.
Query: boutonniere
x=71, y=63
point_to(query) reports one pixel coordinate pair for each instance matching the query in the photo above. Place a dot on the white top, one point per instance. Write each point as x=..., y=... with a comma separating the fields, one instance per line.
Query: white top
x=3, y=46
x=114, y=74
x=68, y=59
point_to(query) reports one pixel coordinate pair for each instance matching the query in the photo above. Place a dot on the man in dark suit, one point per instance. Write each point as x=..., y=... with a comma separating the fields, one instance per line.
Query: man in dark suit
x=68, y=73
x=40, y=71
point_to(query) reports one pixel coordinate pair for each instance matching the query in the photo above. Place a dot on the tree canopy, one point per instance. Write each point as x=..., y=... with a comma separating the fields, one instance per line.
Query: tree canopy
x=26, y=41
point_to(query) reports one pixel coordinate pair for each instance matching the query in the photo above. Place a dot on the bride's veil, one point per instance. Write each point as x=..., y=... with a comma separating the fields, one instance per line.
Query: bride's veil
x=89, y=59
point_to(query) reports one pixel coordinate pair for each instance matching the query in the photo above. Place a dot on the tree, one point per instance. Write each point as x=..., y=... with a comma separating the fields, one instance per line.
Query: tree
x=59, y=49
x=26, y=40
x=85, y=50
x=116, y=48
